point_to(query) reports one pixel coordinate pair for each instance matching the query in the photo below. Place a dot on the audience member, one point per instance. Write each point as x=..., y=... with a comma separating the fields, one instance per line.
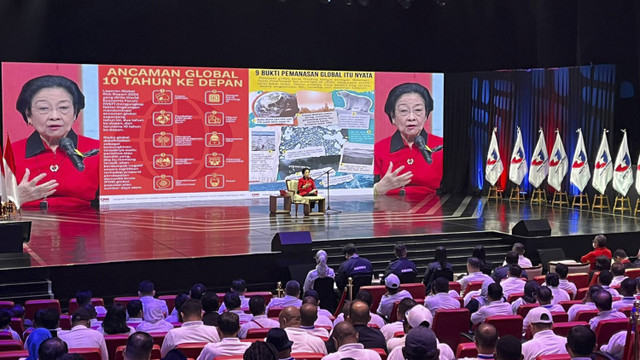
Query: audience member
x=365, y=296
x=485, y=336
x=392, y=283
x=278, y=340
x=420, y=344
x=508, y=347
x=563, y=270
x=345, y=339
x=134, y=313
x=259, y=320
x=45, y=322
x=153, y=320
x=473, y=269
x=238, y=286
x=389, y=330
x=617, y=269
x=419, y=316
x=94, y=323
x=230, y=344
x=324, y=316
x=615, y=345
x=210, y=304
x=620, y=257
x=178, y=302
x=52, y=348
x=193, y=330
x=474, y=300
x=501, y=272
x=84, y=297
x=147, y=293
x=552, y=280
x=599, y=244
x=439, y=267
x=302, y=341
x=523, y=262
x=604, y=280
x=308, y=317
x=403, y=268
x=530, y=292
x=627, y=290
x=544, y=297
x=291, y=297
x=5, y=321
x=197, y=290
x=233, y=304
x=81, y=335
x=354, y=266
x=321, y=271
x=485, y=266
x=513, y=284
x=115, y=322
x=359, y=316
x=544, y=341
x=581, y=342
x=440, y=297
x=139, y=346
x=602, y=263
x=603, y=301
x=587, y=302
x=496, y=305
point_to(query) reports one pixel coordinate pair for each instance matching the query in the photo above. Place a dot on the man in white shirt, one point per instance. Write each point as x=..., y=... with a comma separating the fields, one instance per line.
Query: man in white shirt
x=193, y=330
x=604, y=279
x=513, y=284
x=508, y=347
x=615, y=346
x=523, y=262
x=603, y=302
x=134, y=313
x=473, y=269
x=627, y=290
x=375, y=319
x=82, y=336
x=259, y=319
x=485, y=336
x=552, y=280
x=392, y=283
x=389, y=330
x=291, y=298
x=581, y=342
x=544, y=297
x=345, y=339
x=139, y=346
x=229, y=344
x=239, y=286
x=617, y=269
x=440, y=298
x=233, y=304
x=563, y=270
x=302, y=341
x=147, y=293
x=544, y=341
x=324, y=316
x=496, y=306
x=308, y=317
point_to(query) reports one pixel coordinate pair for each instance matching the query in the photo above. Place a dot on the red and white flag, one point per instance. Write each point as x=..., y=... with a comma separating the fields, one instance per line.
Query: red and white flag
x=622, y=172
x=558, y=164
x=3, y=187
x=494, y=167
x=638, y=176
x=603, y=169
x=580, y=173
x=11, y=183
x=539, y=162
x=518, y=166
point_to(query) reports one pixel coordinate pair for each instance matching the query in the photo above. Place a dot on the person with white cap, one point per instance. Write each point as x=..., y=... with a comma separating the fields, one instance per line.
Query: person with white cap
x=392, y=283
x=544, y=341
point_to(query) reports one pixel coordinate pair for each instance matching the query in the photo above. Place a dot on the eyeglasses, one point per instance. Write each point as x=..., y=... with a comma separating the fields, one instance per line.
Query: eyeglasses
x=406, y=111
x=43, y=109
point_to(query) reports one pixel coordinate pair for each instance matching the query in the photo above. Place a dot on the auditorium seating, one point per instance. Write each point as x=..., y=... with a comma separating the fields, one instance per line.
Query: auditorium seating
x=562, y=329
x=569, y=303
x=155, y=353
x=124, y=300
x=534, y=271
x=65, y=322
x=559, y=316
x=13, y=355
x=115, y=341
x=170, y=300
x=449, y=323
x=473, y=286
x=586, y=315
x=506, y=324
x=5, y=335
x=73, y=304
x=606, y=329
x=554, y=357
x=17, y=325
x=580, y=280
x=594, y=278
x=524, y=309
x=274, y=312
x=307, y=356
x=7, y=305
x=32, y=306
x=582, y=292
x=514, y=296
x=632, y=273
x=191, y=350
x=376, y=294
x=87, y=353
x=10, y=345
x=539, y=279
x=257, y=333
x=454, y=285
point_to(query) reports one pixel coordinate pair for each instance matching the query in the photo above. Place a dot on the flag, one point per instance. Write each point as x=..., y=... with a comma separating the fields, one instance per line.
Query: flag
x=580, y=173
x=603, y=169
x=558, y=164
x=11, y=183
x=3, y=188
x=539, y=162
x=518, y=166
x=494, y=166
x=622, y=173
x=638, y=176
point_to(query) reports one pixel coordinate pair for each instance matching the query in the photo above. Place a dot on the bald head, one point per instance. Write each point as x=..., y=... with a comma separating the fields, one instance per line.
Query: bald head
x=485, y=337
x=308, y=314
x=603, y=300
x=359, y=313
x=289, y=317
x=344, y=333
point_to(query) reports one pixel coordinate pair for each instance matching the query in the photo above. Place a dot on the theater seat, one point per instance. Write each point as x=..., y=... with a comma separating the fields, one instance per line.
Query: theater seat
x=87, y=353
x=257, y=333
x=554, y=357
x=466, y=350
x=13, y=355
x=606, y=329
x=17, y=325
x=586, y=315
x=192, y=350
x=569, y=303
x=473, y=286
x=6, y=305
x=381, y=352
x=449, y=323
x=562, y=329
x=10, y=345
x=115, y=341
x=306, y=356
x=454, y=285
x=5, y=335
x=524, y=309
x=155, y=353
x=376, y=294
x=506, y=324
x=73, y=304
x=580, y=280
x=513, y=297
x=274, y=312
x=32, y=306
x=559, y=316
x=124, y=300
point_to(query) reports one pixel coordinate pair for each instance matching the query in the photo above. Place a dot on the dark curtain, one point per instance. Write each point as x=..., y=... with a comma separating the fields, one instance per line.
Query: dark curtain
x=563, y=98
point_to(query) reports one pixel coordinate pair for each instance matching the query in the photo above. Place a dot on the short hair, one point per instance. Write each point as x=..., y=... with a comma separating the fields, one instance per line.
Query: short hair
x=358, y=314
x=146, y=287
x=511, y=258
x=617, y=269
x=406, y=304
x=261, y=350
x=82, y=314
x=494, y=291
x=210, y=301
x=407, y=88
x=400, y=250
x=602, y=263
x=581, y=340
x=544, y=294
x=312, y=294
x=139, y=345
x=180, y=300
x=292, y=288
x=349, y=249
x=229, y=323
x=308, y=314
x=83, y=297
x=515, y=270
x=191, y=307
x=232, y=300
x=343, y=331
x=309, y=300
x=365, y=295
x=441, y=284
x=52, y=348
x=600, y=240
x=31, y=88
x=305, y=169
x=47, y=318
x=91, y=309
x=256, y=305
x=239, y=285
x=5, y=317
x=605, y=277
x=115, y=321
x=552, y=279
x=197, y=290
x=17, y=311
x=603, y=300
x=474, y=262
x=508, y=347
x=518, y=248
x=628, y=287
x=562, y=270
x=593, y=290
x=134, y=307
x=486, y=335
x=619, y=253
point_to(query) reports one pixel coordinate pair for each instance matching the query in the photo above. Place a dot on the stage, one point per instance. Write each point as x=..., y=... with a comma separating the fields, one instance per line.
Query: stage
x=151, y=241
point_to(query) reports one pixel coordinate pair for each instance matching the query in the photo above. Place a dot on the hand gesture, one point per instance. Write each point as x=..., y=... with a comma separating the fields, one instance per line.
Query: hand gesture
x=29, y=190
x=391, y=180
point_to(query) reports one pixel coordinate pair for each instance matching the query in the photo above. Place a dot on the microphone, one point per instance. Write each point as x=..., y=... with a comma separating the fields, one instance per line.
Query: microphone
x=74, y=155
x=424, y=149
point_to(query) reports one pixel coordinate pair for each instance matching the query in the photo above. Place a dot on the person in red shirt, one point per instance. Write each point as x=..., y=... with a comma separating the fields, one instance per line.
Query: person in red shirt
x=48, y=178
x=306, y=186
x=399, y=165
x=599, y=249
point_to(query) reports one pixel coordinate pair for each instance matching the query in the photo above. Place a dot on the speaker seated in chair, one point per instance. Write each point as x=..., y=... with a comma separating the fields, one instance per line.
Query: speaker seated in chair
x=303, y=191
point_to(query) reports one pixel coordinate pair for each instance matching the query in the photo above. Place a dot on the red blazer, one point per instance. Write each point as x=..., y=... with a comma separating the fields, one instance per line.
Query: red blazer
x=302, y=182
x=591, y=257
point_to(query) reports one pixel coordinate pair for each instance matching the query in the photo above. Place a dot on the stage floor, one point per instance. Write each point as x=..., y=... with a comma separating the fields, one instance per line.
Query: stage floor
x=238, y=227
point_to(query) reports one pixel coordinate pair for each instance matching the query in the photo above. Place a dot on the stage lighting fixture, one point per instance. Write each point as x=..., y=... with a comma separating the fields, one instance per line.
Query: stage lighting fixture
x=326, y=2
x=405, y=3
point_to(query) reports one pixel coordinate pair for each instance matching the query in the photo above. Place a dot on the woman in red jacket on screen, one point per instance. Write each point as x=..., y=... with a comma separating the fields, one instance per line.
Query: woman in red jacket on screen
x=599, y=249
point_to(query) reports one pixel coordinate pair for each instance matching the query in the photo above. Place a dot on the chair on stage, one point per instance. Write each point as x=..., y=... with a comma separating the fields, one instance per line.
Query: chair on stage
x=449, y=323
x=328, y=296
x=292, y=188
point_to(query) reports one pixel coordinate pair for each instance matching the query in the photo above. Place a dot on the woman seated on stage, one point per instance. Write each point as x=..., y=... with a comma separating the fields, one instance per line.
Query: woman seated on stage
x=307, y=187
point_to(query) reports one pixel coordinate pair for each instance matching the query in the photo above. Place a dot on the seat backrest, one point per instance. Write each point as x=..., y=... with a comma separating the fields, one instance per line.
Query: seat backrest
x=307, y=356
x=580, y=280
x=579, y=268
x=124, y=300
x=191, y=350
x=13, y=355
x=87, y=353
x=454, y=285
x=506, y=324
x=514, y=296
x=10, y=345
x=17, y=325
x=381, y=352
x=567, y=304
x=32, y=306
x=554, y=357
x=533, y=271
x=113, y=342
x=376, y=294
x=158, y=337
x=466, y=350
x=73, y=304
x=582, y=292
x=562, y=329
x=606, y=329
x=267, y=295
x=473, y=286
x=170, y=300
x=559, y=316
x=449, y=323
x=524, y=309
x=594, y=278
x=5, y=335
x=257, y=333
x=292, y=186
x=5, y=304
x=632, y=273
x=328, y=298
x=586, y=315
x=539, y=279
x=417, y=290
x=274, y=311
